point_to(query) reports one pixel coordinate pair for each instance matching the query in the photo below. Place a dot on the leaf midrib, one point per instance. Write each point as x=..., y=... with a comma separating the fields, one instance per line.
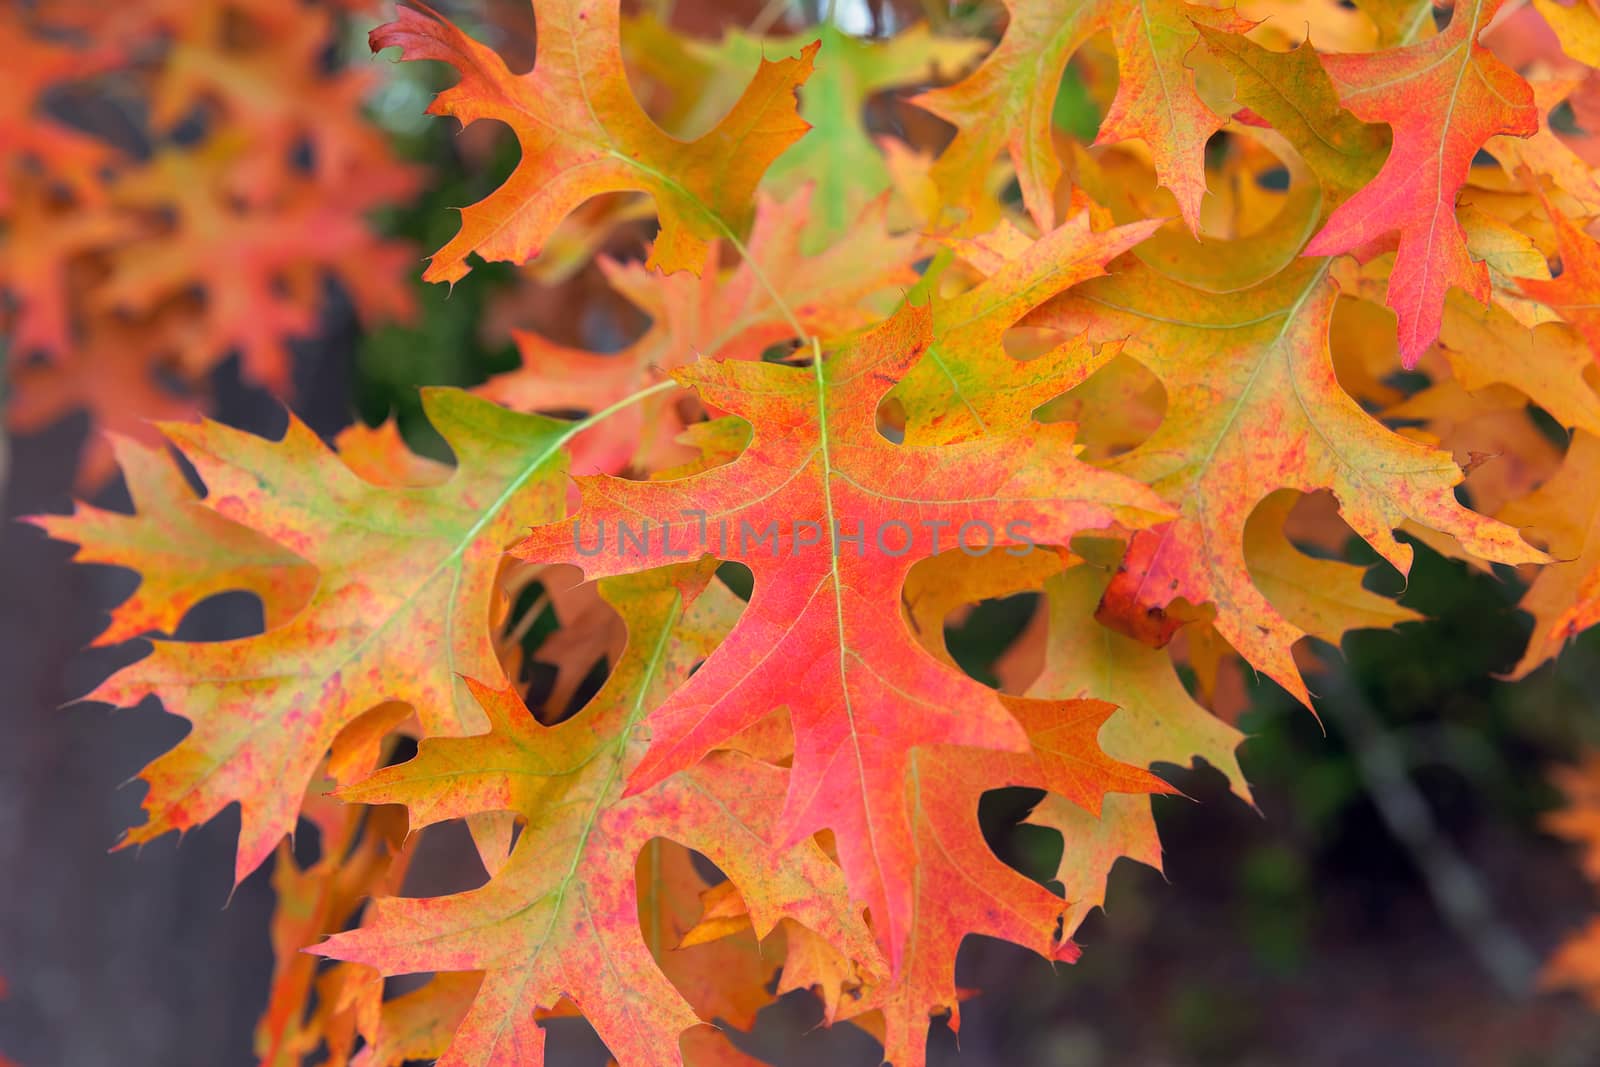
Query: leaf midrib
x=820, y=378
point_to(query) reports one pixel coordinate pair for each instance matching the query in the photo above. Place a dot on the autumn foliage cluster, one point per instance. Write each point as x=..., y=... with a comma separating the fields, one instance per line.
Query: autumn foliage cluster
x=179, y=182
x=1165, y=311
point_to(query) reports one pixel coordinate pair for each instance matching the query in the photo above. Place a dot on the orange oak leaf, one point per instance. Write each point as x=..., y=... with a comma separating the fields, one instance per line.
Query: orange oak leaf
x=1331, y=24
x=1508, y=449
x=1549, y=364
x=420, y=1024
x=1576, y=26
x=1156, y=720
x=1562, y=514
x=1007, y=103
x=718, y=315
x=937, y=588
x=380, y=455
x=811, y=963
x=1253, y=406
x=561, y=920
x=1575, y=294
x=1546, y=152
x=1575, y=964
x=1323, y=597
x=1444, y=98
x=1579, y=821
x=722, y=912
x=362, y=853
x=406, y=589
x=182, y=550
x=180, y=19
x=589, y=634
x=822, y=634
x=139, y=272
x=583, y=133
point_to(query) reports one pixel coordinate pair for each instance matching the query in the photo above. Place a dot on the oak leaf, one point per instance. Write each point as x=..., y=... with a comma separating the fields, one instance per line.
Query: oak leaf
x=42, y=261
x=419, y=1025
x=261, y=270
x=866, y=695
x=1549, y=364
x=182, y=550
x=1444, y=98
x=725, y=978
x=561, y=920
x=402, y=610
x=1253, y=405
x=583, y=133
x=968, y=384
x=838, y=155
x=27, y=132
x=960, y=887
x=1575, y=294
x=119, y=372
x=1007, y=103
x=1291, y=91
x=1565, y=597
x=1156, y=721
x=273, y=89
x=1576, y=25
x=361, y=853
x=1547, y=153
x=1575, y=964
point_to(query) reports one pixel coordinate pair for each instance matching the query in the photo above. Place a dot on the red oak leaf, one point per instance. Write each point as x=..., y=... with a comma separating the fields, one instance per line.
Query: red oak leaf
x=823, y=634
x=1575, y=294
x=1445, y=98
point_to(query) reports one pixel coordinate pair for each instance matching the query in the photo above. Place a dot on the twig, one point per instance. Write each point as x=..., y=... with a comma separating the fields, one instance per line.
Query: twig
x=524, y=624
x=1457, y=890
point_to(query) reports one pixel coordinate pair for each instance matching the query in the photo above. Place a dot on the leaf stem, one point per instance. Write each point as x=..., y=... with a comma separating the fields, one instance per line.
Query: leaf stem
x=605, y=413
x=768, y=17
x=804, y=336
x=788, y=313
